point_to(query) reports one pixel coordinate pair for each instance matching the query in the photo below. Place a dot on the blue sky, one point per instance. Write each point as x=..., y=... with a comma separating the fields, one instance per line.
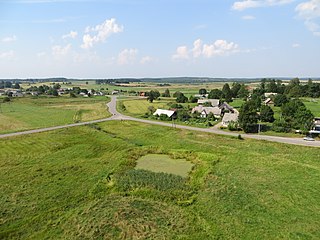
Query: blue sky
x=159, y=38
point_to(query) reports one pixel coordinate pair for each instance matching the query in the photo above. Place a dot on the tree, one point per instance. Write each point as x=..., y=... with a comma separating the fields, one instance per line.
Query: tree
x=248, y=117
x=202, y=91
x=16, y=86
x=181, y=98
x=297, y=116
x=215, y=94
x=56, y=86
x=243, y=92
x=235, y=89
x=55, y=92
x=153, y=95
x=227, y=94
x=271, y=86
x=151, y=109
x=176, y=94
x=256, y=102
x=166, y=93
x=266, y=114
x=193, y=99
x=280, y=99
x=183, y=115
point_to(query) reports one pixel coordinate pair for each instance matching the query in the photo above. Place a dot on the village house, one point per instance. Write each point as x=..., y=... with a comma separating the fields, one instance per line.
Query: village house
x=205, y=111
x=229, y=117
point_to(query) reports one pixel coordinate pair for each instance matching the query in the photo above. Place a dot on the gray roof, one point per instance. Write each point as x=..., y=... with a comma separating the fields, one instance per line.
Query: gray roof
x=214, y=102
x=200, y=109
x=228, y=117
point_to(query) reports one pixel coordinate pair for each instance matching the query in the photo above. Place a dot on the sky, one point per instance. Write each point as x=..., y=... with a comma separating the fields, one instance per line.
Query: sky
x=159, y=38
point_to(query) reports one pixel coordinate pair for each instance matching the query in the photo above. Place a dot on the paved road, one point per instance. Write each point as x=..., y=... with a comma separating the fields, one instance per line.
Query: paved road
x=118, y=116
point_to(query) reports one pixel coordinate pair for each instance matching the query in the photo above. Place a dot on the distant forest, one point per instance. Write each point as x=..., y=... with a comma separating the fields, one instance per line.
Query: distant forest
x=191, y=80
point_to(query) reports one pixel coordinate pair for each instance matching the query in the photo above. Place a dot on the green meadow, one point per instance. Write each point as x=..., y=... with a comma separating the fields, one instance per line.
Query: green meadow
x=30, y=113
x=82, y=183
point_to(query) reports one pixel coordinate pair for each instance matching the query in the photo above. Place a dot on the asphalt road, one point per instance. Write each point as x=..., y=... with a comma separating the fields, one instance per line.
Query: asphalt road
x=118, y=116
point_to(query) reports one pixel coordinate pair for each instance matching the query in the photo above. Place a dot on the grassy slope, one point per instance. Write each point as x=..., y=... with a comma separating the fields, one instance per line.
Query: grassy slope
x=60, y=185
x=29, y=113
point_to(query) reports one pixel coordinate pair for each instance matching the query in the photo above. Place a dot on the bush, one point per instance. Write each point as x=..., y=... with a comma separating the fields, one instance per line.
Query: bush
x=233, y=126
x=6, y=99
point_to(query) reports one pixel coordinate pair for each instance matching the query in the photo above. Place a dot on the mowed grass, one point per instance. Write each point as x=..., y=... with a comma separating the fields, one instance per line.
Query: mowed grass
x=165, y=164
x=313, y=105
x=138, y=107
x=30, y=113
x=66, y=184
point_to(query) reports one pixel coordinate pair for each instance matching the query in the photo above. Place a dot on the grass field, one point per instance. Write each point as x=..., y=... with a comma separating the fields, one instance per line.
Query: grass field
x=80, y=183
x=30, y=113
x=313, y=105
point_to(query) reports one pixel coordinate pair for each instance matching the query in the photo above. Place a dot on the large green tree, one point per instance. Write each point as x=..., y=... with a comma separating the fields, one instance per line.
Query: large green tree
x=248, y=117
x=266, y=114
x=280, y=99
x=297, y=115
x=215, y=94
x=227, y=94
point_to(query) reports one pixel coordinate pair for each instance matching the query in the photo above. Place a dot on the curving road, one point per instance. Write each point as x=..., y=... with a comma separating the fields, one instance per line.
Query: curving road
x=118, y=116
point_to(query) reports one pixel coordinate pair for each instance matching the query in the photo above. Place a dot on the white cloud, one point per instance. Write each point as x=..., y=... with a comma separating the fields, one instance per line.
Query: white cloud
x=9, y=39
x=245, y=4
x=310, y=12
x=248, y=17
x=197, y=48
x=7, y=55
x=217, y=48
x=127, y=56
x=295, y=45
x=72, y=35
x=146, y=59
x=59, y=51
x=101, y=32
x=182, y=52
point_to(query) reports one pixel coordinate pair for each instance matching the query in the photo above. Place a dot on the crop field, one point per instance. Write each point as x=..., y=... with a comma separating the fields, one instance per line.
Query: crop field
x=81, y=183
x=30, y=113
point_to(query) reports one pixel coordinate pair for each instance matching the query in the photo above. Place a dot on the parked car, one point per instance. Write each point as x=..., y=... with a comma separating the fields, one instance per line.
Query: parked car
x=308, y=139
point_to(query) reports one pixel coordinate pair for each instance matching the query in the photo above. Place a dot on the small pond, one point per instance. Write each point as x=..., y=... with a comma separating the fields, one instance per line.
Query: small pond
x=163, y=163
